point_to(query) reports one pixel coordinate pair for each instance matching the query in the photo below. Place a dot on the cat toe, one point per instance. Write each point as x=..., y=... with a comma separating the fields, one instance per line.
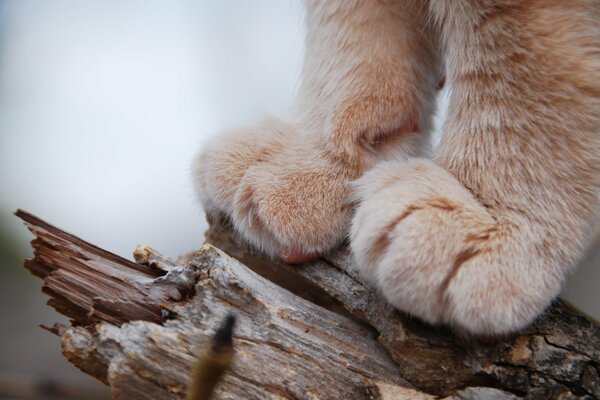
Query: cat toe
x=433, y=251
x=291, y=209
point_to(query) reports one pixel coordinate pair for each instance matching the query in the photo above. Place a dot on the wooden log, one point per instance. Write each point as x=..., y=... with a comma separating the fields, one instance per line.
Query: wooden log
x=557, y=357
x=139, y=326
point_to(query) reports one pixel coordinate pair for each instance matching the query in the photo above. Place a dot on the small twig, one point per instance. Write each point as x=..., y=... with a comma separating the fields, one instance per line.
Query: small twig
x=213, y=363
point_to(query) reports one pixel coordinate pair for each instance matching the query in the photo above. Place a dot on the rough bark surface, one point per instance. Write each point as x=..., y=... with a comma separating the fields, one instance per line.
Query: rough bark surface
x=308, y=332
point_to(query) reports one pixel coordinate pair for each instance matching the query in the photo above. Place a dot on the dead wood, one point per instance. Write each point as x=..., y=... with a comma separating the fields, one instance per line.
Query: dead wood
x=309, y=332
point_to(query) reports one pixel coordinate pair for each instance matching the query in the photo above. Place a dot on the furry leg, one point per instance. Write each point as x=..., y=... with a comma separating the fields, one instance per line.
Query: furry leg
x=367, y=89
x=482, y=237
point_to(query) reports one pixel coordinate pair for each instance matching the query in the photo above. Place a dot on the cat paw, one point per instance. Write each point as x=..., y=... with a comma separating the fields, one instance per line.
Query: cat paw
x=282, y=193
x=435, y=252
x=224, y=160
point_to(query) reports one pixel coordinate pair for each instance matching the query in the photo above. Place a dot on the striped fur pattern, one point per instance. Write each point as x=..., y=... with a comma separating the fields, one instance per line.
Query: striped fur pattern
x=477, y=233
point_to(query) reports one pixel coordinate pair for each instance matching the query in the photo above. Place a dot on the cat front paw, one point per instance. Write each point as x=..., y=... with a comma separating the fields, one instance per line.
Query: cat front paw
x=293, y=206
x=435, y=252
x=282, y=193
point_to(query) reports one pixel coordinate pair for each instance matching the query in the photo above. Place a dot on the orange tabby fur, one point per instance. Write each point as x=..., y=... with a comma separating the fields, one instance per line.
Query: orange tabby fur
x=478, y=234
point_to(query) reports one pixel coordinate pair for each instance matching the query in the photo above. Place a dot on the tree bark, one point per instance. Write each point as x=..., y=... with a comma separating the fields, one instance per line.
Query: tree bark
x=314, y=331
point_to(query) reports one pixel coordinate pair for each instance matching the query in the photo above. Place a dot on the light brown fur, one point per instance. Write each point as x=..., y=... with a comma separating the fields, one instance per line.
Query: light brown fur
x=481, y=233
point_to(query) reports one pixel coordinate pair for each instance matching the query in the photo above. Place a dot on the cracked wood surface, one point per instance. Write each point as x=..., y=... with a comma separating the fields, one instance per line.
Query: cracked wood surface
x=138, y=326
x=557, y=357
x=165, y=311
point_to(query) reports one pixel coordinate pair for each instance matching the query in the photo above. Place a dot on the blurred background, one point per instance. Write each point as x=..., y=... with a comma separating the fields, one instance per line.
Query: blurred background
x=102, y=106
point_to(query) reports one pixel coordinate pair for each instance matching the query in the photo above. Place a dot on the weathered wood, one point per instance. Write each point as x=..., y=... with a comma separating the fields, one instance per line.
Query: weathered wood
x=137, y=326
x=88, y=284
x=286, y=347
x=558, y=356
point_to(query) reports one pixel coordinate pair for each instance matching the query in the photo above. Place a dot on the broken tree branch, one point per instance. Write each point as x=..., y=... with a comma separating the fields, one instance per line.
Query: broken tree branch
x=310, y=332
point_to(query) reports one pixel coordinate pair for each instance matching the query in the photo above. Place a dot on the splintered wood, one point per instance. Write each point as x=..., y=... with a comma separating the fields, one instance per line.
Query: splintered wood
x=310, y=332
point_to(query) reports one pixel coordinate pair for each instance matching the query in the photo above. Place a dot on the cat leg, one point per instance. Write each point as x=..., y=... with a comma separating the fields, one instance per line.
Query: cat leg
x=482, y=236
x=366, y=92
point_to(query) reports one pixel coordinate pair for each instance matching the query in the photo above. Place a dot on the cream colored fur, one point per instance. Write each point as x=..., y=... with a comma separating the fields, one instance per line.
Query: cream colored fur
x=478, y=234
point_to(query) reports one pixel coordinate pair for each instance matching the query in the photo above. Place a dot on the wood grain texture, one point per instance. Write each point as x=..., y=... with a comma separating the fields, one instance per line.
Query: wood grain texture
x=314, y=331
